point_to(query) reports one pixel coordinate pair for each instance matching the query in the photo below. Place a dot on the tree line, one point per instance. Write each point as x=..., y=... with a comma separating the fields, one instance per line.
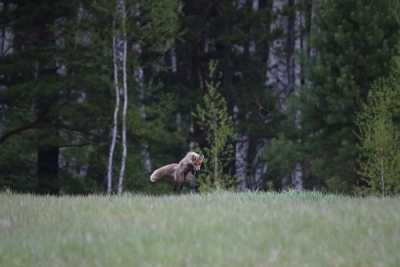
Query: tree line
x=278, y=94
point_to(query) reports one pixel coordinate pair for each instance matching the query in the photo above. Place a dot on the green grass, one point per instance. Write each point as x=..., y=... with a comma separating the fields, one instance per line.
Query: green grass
x=219, y=229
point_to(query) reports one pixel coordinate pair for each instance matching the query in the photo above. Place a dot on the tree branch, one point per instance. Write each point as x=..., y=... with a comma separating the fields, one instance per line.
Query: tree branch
x=75, y=145
x=21, y=129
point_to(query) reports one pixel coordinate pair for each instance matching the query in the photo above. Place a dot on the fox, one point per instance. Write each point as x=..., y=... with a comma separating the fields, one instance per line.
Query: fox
x=181, y=172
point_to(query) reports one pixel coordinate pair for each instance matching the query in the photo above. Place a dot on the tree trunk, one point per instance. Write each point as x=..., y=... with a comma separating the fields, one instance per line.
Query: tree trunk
x=242, y=138
x=297, y=177
x=6, y=34
x=241, y=154
x=48, y=149
x=296, y=70
x=382, y=178
x=259, y=166
x=124, y=129
x=144, y=147
x=114, y=130
x=174, y=66
x=47, y=172
x=285, y=74
x=121, y=90
x=121, y=12
x=3, y=10
x=312, y=28
x=277, y=78
x=139, y=77
x=303, y=24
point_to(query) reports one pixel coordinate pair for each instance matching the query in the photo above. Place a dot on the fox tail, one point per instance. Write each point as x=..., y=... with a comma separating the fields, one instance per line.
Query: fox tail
x=167, y=170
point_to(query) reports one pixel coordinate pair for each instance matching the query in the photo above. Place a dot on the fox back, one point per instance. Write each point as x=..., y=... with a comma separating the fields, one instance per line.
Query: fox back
x=167, y=170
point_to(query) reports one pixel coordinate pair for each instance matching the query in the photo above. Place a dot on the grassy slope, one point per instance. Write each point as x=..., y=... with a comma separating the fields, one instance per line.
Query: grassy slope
x=220, y=229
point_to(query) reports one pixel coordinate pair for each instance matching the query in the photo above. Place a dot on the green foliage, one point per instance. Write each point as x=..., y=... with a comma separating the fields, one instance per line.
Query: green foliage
x=379, y=135
x=159, y=23
x=74, y=108
x=17, y=165
x=282, y=154
x=355, y=41
x=214, y=120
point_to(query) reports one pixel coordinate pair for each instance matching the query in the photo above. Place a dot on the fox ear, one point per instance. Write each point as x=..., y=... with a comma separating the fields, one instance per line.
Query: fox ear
x=194, y=157
x=201, y=158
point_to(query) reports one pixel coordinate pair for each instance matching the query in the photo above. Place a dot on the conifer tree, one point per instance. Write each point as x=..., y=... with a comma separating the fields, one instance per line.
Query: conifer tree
x=214, y=120
x=356, y=40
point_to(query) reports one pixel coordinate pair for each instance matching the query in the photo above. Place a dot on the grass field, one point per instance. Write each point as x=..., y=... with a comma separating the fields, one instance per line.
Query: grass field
x=219, y=229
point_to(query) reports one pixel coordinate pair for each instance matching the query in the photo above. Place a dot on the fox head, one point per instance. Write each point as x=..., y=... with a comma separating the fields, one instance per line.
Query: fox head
x=197, y=160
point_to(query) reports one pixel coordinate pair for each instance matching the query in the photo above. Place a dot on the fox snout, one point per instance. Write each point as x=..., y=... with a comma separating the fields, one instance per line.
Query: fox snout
x=197, y=161
x=197, y=167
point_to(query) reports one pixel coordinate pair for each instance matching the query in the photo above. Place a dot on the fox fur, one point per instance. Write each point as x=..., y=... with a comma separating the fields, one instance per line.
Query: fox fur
x=181, y=172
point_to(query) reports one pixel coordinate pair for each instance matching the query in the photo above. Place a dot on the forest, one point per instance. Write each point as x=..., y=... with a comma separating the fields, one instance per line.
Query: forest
x=277, y=95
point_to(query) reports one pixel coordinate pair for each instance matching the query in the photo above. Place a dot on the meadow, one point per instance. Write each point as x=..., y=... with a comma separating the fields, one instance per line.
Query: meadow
x=217, y=229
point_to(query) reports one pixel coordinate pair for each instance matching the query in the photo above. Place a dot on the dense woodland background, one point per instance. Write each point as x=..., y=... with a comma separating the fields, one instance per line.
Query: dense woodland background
x=298, y=87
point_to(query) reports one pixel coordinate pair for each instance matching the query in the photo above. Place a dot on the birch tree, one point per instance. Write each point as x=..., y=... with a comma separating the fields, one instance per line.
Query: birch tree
x=120, y=90
x=286, y=76
x=241, y=154
x=298, y=77
x=278, y=76
x=6, y=34
x=242, y=139
x=379, y=161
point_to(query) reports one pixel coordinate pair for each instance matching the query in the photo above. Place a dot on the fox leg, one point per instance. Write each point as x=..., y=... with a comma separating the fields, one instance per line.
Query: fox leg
x=178, y=187
x=190, y=178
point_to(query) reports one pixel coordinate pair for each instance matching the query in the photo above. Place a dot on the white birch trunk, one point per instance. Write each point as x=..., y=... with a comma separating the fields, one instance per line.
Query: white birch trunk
x=6, y=33
x=277, y=75
x=242, y=139
x=174, y=65
x=6, y=47
x=121, y=90
x=284, y=72
x=297, y=71
x=124, y=129
x=241, y=154
x=315, y=6
x=241, y=3
x=114, y=130
x=259, y=166
x=382, y=178
x=256, y=5
x=252, y=45
x=121, y=9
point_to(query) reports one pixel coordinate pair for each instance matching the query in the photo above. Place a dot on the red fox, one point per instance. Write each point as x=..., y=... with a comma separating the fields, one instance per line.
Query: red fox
x=180, y=172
